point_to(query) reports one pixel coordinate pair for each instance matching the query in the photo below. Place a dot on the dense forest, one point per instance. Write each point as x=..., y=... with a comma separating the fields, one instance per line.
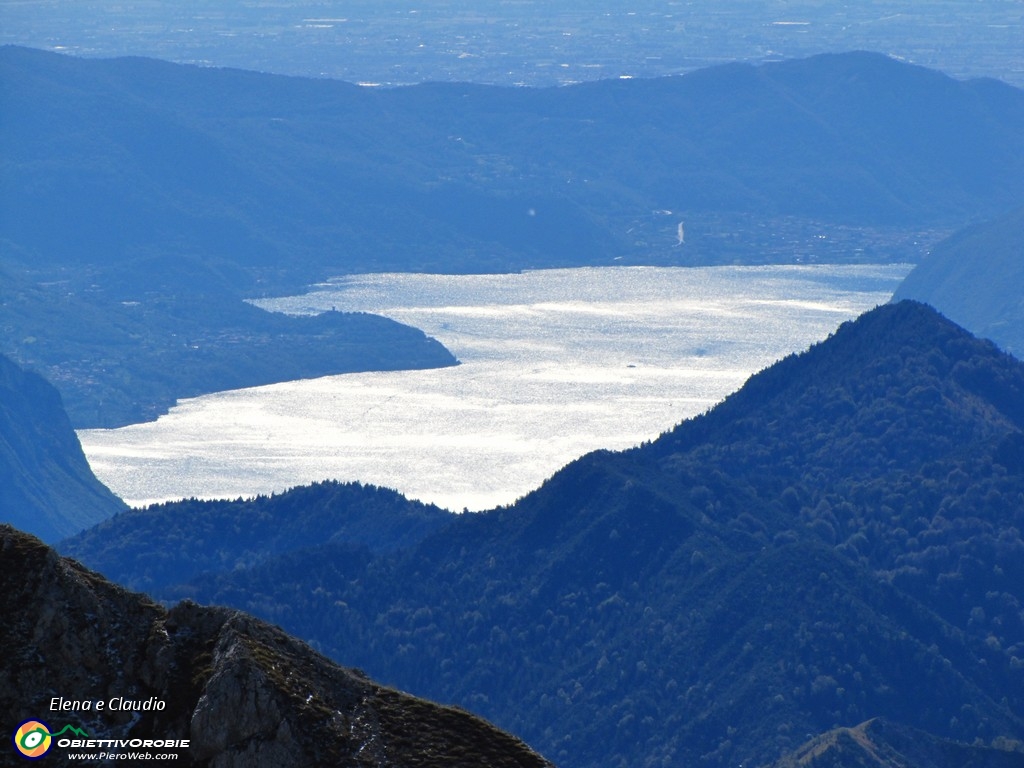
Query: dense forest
x=241, y=533
x=837, y=541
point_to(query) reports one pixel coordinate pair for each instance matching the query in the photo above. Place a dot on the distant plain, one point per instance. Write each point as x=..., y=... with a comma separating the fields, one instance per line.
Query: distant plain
x=526, y=42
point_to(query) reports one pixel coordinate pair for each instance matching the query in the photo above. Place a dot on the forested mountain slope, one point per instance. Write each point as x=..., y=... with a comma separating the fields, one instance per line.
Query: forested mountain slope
x=46, y=485
x=837, y=541
x=175, y=542
x=241, y=692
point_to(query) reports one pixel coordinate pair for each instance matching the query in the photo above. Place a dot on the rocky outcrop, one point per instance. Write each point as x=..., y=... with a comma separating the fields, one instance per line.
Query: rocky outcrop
x=241, y=692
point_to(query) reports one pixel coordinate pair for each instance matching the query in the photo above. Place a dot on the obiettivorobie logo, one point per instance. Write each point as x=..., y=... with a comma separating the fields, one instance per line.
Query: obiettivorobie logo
x=33, y=738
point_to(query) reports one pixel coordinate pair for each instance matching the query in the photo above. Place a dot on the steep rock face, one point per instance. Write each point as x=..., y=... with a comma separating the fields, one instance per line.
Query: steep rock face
x=46, y=485
x=976, y=278
x=242, y=692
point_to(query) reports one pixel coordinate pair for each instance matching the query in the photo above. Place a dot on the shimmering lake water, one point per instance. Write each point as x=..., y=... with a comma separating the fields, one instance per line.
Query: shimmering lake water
x=554, y=363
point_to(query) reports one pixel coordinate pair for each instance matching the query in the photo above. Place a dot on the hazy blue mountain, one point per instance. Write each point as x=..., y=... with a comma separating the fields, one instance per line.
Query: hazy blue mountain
x=118, y=159
x=46, y=485
x=976, y=278
x=241, y=692
x=837, y=541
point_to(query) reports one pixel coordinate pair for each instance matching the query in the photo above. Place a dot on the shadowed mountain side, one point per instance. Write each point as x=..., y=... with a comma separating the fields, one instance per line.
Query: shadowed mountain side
x=46, y=485
x=242, y=692
x=837, y=541
x=900, y=386
x=618, y=657
x=976, y=278
x=883, y=744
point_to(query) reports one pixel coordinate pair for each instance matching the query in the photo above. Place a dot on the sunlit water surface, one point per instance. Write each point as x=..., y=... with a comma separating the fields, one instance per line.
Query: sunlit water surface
x=554, y=364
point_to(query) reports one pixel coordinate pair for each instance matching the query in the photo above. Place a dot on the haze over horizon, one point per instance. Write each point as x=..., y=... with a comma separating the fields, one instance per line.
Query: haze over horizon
x=395, y=42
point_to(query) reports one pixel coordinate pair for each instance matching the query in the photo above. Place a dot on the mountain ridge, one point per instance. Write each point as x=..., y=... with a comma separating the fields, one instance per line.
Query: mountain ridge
x=498, y=149
x=780, y=566
x=240, y=691
x=358, y=517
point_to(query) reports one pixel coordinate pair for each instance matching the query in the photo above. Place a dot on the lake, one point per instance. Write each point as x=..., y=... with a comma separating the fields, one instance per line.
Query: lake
x=553, y=364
